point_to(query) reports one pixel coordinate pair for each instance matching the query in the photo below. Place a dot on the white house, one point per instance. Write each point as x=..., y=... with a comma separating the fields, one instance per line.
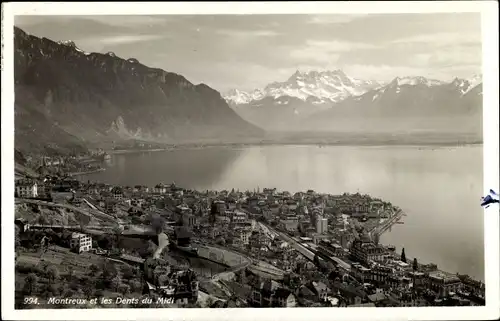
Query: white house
x=80, y=242
x=26, y=189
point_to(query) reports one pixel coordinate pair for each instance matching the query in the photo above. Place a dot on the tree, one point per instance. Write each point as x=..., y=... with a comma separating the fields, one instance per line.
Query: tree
x=415, y=264
x=115, y=283
x=87, y=290
x=42, y=220
x=376, y=238
x=117, y=230
x=157, y=222
x=78, y=293
x=70, y=271
x=403, y=255
x=93, y=269
x=124, y=288
x=50, y=290
x=108, y=270
x=17, y=239
x=213, y=213
x=63, y=289
x=31, y=282
x=135, y=286
x=209, y=302
x=52, y=274
x=127, y=272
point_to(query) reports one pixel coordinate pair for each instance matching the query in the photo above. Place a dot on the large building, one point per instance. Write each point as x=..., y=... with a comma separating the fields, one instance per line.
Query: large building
x=44, y=190
x=444, y=283
x=117, y=193
x=290, y=223
x=331, y=249
x=242, y=235
x=365, y=251
x=188, y=220
x=270, y=294
x=80, y=242
x=238, y=218
x=26, y=189
x=321, y=224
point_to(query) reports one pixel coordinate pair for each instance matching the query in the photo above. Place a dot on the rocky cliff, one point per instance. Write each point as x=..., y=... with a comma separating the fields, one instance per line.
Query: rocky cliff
x=68, y=98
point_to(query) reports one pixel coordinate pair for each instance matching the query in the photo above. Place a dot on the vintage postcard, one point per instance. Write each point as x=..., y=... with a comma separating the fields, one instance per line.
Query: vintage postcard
x=245, y=161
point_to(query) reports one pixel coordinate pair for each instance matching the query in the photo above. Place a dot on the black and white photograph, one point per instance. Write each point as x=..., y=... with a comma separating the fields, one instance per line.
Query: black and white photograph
x=191, y=159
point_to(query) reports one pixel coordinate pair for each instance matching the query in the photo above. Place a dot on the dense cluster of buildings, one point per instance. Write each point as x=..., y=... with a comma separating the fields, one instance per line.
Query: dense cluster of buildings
x=349, y=267
x=177, y=285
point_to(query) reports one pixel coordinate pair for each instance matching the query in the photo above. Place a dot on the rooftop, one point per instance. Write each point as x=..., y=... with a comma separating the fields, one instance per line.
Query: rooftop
x=443, y=276
x=76, y=235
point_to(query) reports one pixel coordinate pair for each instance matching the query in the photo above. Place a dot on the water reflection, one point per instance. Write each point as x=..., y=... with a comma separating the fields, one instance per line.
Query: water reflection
x=190, y=168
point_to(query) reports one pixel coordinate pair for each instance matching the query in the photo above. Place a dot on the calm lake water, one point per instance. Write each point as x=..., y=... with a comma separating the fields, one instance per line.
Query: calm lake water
x=438, y=187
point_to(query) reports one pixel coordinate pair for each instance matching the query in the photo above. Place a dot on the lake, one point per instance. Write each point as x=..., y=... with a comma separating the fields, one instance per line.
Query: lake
x=438, y=187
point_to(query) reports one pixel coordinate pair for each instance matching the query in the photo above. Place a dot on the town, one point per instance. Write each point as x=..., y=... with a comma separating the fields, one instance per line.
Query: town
x=167, y=246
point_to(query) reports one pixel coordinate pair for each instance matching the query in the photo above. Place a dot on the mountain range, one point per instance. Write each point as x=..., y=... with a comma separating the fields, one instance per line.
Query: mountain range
x=304, y=93
x=69, y=99
x=333, y=101
x=66, y=98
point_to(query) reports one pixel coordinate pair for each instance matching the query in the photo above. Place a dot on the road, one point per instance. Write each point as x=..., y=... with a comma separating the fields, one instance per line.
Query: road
x=387, y=224
x=92, y=227
x=91, y=214
x=109, y=217
x=45, y=203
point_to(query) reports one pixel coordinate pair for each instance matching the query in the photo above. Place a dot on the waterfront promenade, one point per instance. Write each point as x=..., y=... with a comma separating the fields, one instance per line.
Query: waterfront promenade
x=387, y=224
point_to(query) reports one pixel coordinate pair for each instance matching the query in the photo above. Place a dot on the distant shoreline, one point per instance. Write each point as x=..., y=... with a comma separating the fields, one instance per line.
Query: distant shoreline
x=328, y=144
x=128, y=151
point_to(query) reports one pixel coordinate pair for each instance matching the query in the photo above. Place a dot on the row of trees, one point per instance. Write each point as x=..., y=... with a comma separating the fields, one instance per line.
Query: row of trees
x=403, y=259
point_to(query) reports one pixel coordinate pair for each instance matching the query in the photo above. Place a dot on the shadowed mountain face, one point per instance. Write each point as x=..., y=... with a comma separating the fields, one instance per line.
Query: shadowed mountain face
x=70, y=98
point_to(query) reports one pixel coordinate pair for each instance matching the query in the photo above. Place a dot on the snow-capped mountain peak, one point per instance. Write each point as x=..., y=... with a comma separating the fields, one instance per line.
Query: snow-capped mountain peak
x=414, y=81
x=69, y=43
x=474, y=81
x=465, y=85
x=239, y=97
x=72, y=44
x=317, y=86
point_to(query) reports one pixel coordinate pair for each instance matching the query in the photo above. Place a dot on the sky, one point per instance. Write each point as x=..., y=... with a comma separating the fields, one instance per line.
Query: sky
x=250, y=51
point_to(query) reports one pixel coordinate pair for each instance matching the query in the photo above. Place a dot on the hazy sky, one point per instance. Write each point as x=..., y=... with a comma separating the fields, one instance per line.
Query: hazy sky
x=250, y=51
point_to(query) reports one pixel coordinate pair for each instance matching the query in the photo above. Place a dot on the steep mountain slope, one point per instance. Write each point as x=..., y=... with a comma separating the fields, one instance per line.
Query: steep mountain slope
x=69, y=97
x=408, y=104
x=304, y=93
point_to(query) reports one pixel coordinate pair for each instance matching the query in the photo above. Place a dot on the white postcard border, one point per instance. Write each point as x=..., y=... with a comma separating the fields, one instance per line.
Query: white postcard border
x=489, y=11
